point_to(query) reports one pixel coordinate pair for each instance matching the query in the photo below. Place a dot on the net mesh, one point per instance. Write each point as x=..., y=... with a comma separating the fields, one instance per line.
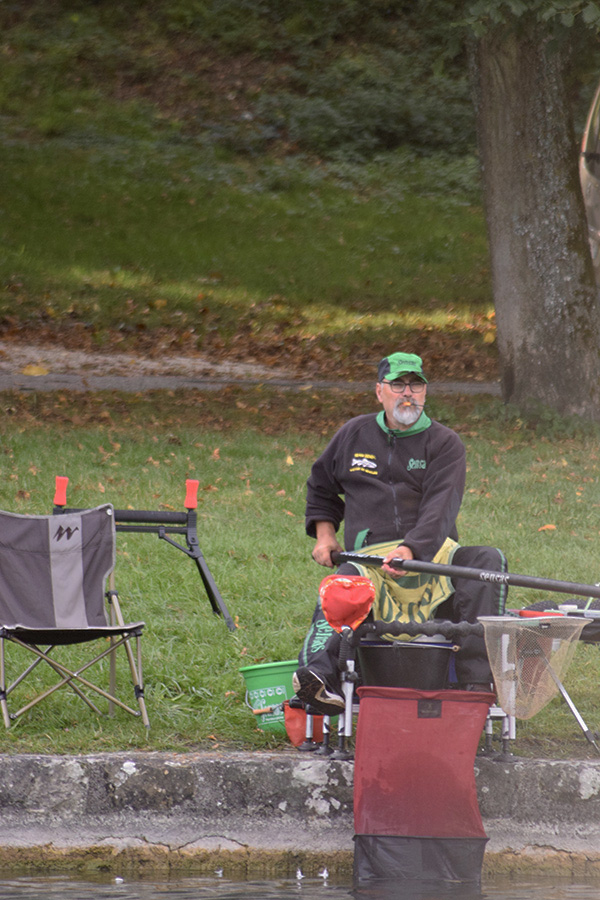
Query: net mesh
x=528, y=658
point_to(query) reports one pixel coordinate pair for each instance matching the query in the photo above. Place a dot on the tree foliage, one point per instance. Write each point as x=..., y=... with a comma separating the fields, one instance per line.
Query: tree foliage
x=484, y=14
x=353, y=78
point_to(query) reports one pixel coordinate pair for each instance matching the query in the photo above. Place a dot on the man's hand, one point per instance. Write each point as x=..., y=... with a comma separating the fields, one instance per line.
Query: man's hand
x=322, y=552
x=327, y=543
x=401, y=552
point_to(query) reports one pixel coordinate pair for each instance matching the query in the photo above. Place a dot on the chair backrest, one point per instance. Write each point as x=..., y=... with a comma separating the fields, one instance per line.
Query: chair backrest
x=53, y=569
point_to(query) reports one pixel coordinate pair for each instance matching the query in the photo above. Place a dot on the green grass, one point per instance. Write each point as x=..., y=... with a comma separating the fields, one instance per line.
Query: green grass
x=251, y=451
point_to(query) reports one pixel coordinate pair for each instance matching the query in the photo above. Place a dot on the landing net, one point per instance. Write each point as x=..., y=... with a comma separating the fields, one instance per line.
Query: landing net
x=528, y=658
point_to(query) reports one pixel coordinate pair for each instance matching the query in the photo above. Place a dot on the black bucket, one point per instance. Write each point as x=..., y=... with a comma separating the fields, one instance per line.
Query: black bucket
x=422, y=665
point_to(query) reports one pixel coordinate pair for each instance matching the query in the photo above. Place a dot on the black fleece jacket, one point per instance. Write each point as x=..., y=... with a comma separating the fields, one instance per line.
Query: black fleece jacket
x=389, y=485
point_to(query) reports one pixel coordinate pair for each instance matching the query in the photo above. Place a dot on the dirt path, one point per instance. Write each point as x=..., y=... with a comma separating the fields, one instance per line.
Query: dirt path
x=39, y=360
x=47, y=367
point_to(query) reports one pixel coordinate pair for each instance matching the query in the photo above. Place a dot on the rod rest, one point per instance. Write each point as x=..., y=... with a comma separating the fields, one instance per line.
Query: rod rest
x=149, y=517
x=442, y=627
x=139, y=516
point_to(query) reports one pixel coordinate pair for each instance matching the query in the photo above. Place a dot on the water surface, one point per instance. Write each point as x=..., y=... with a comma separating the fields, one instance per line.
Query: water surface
x=309, y=888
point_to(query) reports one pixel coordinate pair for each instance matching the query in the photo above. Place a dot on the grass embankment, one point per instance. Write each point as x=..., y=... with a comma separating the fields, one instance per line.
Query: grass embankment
x=532, y=490
x=131, y=217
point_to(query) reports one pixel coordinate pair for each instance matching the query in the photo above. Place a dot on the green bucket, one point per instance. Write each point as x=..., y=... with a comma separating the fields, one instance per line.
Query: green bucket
x=269, y=685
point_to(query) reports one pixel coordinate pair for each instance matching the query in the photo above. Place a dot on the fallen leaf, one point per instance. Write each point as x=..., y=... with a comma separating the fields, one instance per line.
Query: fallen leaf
x=216, y=454
x=547, y=528
x=34, y=370
x=289, y=461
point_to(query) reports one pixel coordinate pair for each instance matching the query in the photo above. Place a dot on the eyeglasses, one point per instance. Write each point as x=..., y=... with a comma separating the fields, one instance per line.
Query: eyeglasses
x=399, y=387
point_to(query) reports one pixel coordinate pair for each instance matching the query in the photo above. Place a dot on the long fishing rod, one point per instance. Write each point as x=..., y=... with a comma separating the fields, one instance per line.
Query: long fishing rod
x=506, y=578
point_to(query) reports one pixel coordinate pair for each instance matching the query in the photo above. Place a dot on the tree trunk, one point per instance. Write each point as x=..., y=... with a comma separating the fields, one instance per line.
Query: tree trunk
x=547, y=310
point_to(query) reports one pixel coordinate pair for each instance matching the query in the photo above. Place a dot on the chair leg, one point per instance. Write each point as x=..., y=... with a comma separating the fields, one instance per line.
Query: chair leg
x=139, y=683
x=112, y=678
x=345, y=719
x=45, y=657
x=507, y=734
x=136, y=671
x=25, y=673
x=3, y=702
x=75, y=679
x=68, y=676
x=69, y=682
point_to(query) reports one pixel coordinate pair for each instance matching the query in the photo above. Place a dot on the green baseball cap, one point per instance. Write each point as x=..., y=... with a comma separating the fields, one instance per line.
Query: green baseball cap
x=398, y=364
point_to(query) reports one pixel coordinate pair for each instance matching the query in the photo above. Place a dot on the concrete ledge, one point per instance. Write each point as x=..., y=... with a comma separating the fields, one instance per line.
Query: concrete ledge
x=266, y=813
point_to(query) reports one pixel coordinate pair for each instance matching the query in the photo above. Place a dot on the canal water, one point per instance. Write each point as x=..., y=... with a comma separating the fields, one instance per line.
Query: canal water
x=315, y=888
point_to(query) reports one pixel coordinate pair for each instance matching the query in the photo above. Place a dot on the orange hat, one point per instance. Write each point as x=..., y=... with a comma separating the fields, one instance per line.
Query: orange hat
x=346, y=599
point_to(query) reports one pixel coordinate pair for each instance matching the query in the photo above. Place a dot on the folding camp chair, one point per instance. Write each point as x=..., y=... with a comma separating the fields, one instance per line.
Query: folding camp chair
x=53, y=574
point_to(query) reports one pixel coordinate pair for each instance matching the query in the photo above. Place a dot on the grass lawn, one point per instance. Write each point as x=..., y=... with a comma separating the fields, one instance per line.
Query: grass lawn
x=532, y=490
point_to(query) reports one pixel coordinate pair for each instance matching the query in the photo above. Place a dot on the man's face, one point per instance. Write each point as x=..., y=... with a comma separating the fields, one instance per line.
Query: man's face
x=402, y=399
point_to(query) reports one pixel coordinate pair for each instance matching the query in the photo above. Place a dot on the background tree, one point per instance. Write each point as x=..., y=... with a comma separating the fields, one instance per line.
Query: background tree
x=546, y=299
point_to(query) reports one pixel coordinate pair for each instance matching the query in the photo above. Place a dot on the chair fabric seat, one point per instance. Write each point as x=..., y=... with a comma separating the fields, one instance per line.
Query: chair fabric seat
x=64, y=636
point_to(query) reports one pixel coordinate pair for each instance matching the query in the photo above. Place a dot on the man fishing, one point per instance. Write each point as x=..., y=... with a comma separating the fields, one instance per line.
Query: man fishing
x=395, y=478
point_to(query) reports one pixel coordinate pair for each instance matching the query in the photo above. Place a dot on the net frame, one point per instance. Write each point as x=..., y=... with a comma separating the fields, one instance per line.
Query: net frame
x=529, y=657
